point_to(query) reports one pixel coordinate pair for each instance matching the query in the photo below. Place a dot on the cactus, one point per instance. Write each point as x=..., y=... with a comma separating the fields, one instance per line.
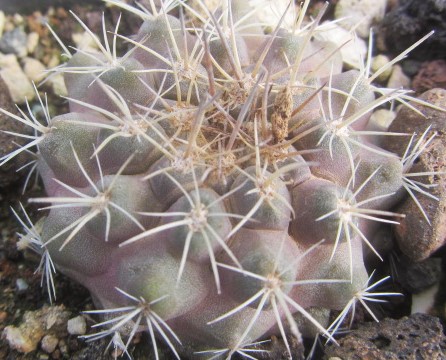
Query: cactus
x=216, y=183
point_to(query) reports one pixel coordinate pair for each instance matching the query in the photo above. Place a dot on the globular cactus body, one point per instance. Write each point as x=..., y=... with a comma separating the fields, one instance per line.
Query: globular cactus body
x=215, y=185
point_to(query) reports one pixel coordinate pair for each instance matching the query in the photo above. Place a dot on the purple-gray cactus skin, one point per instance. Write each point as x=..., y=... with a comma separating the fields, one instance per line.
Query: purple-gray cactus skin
x=215, y=183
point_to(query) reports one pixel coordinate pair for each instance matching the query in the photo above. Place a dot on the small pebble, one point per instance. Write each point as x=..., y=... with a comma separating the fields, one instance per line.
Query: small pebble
x=398, y=79
x=17, y=82
x=378, y=62
x=2, y=22
x=58, y=84
x=18, y=339
x=52, y=11
x=14, y=42
x=84, y=41
x=18, y=19
x=382, y=118
x=353, y=49
x=77, y=326
x=3, y=316
x=49, y=343
x=269, y=13
x=53, y=318
x=21, y=285
x=63, y=346
x=32, y=41
x=34, y=69
x=424, y=301
x=53, y=61
x=360, y=14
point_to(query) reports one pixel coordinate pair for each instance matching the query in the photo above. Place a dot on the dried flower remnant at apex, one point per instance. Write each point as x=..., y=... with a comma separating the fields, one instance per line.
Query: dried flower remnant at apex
x=216, y=180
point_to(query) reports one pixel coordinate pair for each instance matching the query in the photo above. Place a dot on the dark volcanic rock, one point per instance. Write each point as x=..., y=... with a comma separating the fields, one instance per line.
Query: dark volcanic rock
x=418, y=337
x=416, y=277
x=416, y=238
x=432, y=74
x=410, y=121
x=410, y=21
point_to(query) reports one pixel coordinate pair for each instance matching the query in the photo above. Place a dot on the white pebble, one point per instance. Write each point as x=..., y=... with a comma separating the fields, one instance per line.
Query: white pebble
x=49, y=343
x=34, y=69
x=382, y=118
x=53, y=62
x=77, y=326
x=18, y=19
x=58, y=84
x=360, y=14
x=63, y=347
x=84, y=41
x=21, y=285
x=379, y=62
x=353, y=49
x=32, y=41
x=380, y=121
x=18, y=340
x=398, y=79
x=2, y=22
x=19, y=85
x=270, y=12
